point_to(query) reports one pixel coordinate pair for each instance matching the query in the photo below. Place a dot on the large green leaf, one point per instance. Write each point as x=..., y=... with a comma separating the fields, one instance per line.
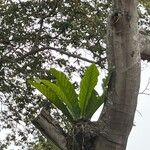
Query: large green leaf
x=60, y=93
x=68, y=90
x=87, y=85
x=95, y=102
x=51, y=95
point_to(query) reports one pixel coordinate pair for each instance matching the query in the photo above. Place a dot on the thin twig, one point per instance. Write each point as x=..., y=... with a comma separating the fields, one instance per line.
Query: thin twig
x=146, y=88
x=34, y=51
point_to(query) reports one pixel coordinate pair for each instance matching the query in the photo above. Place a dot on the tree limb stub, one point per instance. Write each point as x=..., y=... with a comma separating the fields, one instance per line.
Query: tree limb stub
x=52, y=131
x=145, y=46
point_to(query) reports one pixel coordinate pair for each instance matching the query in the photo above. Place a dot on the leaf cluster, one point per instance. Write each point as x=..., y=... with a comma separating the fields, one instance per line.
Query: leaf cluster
x=63, y=96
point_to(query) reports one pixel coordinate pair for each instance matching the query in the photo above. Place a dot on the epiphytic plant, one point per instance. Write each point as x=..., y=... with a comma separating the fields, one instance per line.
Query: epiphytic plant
x=63, y=95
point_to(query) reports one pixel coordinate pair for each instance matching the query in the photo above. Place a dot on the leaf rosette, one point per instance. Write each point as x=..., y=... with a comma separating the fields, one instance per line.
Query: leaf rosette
x=63, y=95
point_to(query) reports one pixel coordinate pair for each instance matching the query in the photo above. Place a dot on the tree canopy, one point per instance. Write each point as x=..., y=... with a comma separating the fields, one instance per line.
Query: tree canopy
x=38, y=35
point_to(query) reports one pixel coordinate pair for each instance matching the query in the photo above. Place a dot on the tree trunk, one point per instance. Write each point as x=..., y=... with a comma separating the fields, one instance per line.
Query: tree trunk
x=123, y=52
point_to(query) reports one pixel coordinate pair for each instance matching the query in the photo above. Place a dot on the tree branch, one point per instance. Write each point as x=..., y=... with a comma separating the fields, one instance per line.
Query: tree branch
x=34, y=51
x=50, y=129
x=144, y=46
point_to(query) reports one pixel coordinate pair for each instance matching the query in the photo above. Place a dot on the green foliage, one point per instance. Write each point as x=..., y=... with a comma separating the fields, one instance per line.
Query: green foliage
x=146, y=3
x=63, y=96
x=27, y=26
x=87, y=85
x=53, y=94
x=43, y=144
x=94, y=103
x=65, y=85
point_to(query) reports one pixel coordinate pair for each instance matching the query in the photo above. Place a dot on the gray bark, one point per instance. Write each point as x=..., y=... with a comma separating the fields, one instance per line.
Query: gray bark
x=144, y=46
x=50, y=129
x=124, y=61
